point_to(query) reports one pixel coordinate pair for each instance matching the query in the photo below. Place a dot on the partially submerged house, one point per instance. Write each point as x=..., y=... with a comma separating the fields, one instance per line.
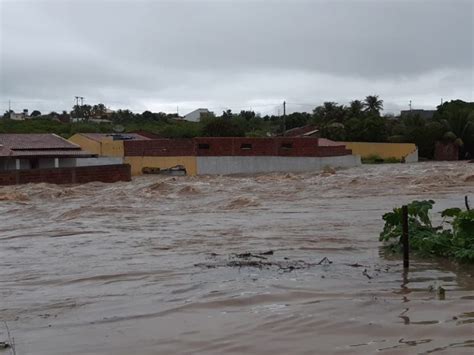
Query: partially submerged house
x=220, y=155
x=105, y=144
x=33, y=158
x=38, y=151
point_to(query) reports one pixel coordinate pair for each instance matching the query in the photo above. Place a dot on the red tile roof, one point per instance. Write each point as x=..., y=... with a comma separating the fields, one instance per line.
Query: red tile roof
x=4, y=152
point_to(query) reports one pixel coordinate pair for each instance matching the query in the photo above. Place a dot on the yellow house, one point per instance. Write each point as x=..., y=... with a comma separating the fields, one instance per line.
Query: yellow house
x=112, y=145
x=406, y=151
x=106, y=145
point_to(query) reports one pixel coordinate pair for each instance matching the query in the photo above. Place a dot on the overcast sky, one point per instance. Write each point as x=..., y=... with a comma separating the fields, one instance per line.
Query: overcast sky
x=157, y=55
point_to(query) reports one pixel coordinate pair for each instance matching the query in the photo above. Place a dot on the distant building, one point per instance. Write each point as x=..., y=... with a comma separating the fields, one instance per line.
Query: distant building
x=196, y=115
x=426, y=114
x=99, y=120
x=19, y=116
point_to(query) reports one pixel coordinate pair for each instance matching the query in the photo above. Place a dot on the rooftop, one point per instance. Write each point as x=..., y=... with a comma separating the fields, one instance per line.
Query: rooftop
x=38, y=145
x=115, y=136
x=35, y=141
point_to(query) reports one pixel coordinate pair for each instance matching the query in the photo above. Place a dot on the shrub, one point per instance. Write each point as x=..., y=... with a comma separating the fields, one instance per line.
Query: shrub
x=457, y=241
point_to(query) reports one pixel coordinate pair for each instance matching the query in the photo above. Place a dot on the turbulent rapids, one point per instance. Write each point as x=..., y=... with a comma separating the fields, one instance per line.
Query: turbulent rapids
x=267, y=264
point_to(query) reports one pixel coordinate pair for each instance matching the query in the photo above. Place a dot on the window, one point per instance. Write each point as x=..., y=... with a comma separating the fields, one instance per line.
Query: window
x=203, y=146
x=287, y=145
x=246, y=146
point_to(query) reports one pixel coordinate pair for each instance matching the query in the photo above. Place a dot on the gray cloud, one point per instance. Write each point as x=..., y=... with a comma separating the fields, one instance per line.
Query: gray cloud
x=238, y=54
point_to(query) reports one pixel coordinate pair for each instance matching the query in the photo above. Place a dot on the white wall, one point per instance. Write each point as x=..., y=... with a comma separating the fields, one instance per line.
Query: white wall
x=412, y=158
x=99, y=161
x=266, y=164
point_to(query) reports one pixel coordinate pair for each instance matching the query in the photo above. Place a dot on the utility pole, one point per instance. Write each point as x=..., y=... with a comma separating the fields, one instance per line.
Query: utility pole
x=410, y=105
x=284, y=117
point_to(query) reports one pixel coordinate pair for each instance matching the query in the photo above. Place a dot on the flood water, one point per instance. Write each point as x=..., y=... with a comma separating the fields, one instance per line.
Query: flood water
x=142, y=267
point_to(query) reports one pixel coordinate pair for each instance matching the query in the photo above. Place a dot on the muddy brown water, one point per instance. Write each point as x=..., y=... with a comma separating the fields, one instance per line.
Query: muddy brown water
x=120, y=268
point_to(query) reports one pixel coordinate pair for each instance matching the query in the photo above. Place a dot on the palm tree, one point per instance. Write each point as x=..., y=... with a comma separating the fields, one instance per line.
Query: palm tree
x=373, y=104
x=458, y=126
x=356, y=108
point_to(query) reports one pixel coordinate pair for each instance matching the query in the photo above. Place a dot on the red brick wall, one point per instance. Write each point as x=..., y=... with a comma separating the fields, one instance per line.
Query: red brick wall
x=159, y=148
x=446, y=151
x=76, y=175
x=238, y=146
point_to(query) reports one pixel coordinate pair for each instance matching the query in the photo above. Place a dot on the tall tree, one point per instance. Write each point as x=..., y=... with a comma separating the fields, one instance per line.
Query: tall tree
x=356, y=107
x=98, y=110
x=373, y=104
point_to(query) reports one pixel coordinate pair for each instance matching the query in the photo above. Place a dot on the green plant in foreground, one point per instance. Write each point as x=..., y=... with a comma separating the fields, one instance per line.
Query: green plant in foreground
x=456, y=241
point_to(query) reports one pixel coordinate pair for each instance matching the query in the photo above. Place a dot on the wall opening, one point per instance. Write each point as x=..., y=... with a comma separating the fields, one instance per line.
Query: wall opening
x=203, y=146
x=34, y=163
x=246, y=146
x=287, y=145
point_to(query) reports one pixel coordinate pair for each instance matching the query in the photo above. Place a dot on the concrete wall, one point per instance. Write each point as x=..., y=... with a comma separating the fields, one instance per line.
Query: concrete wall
x=412, y=158
x=77, y=175
x=264, y=164
x=99, y=161
x=446, y=151
x=383, y=150
x=138, y=163
x=46, y=163
x=67, y=162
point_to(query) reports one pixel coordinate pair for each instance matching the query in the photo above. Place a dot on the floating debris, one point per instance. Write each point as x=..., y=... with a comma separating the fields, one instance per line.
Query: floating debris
x=260, y=260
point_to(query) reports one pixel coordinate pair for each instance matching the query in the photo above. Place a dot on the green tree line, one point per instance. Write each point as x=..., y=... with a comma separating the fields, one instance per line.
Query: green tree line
x=361, y=120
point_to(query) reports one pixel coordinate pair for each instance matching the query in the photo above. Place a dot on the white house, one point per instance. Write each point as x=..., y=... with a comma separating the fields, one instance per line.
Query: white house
x=196, y=115
x=19, y=116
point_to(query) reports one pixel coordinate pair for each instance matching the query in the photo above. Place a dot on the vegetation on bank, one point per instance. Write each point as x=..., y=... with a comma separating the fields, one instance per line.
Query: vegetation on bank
x=454, y=238
x=361, y=121
x=377, y=159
